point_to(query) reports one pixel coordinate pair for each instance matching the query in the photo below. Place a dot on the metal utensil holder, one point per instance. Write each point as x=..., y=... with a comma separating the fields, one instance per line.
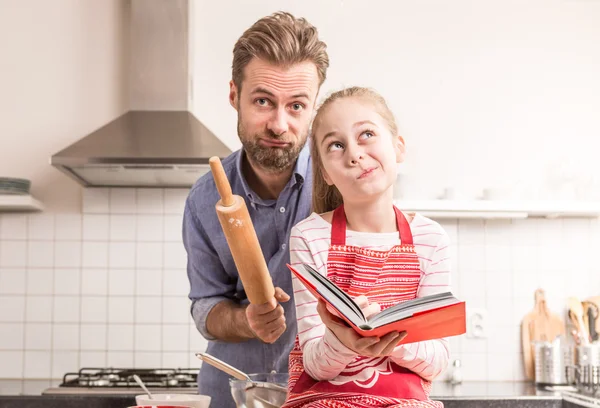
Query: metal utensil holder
x=552, y=362
x=587, y=368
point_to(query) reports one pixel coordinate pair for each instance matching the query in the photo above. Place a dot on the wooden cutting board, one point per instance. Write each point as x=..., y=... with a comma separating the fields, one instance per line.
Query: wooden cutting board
x=538, y=325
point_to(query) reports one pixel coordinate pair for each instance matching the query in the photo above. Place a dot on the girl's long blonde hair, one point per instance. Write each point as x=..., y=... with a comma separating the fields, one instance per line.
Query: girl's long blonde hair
x=325, y=197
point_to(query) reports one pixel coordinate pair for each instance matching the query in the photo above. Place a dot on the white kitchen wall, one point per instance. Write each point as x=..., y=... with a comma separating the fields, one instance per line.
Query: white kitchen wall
x=497, y=93
x=108, y=287
x=63, y=75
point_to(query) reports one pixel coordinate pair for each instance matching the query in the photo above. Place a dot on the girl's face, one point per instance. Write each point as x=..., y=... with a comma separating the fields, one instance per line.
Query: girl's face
x=358, y=152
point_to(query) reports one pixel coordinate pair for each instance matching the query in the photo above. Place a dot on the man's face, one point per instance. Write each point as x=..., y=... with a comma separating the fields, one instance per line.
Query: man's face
x=275, y=107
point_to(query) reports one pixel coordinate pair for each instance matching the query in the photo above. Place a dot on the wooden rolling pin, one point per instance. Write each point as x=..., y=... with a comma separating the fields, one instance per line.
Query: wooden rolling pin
x=241, y=238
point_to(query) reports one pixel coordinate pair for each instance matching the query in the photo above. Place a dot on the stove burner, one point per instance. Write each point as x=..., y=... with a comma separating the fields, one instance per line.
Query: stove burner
x=123, y=377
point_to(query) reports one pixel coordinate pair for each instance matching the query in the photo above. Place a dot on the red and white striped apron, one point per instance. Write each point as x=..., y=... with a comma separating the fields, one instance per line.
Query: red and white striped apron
x=388, y=278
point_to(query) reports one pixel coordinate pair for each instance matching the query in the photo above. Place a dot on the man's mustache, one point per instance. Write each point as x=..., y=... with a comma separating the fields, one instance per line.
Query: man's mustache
x=271, y=135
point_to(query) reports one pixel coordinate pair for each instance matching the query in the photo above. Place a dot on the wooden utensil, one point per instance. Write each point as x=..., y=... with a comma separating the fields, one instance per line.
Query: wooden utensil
x=241, y=238
x=538, y=325
x=576, y=309
x=591, y=309
x=223, y=366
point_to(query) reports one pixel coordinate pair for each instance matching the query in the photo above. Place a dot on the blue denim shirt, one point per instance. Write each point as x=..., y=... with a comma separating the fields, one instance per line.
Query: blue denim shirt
x=213, y=276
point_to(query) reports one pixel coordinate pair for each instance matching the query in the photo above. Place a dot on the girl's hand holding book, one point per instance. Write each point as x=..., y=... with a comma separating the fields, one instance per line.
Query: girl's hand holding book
x=364, y=346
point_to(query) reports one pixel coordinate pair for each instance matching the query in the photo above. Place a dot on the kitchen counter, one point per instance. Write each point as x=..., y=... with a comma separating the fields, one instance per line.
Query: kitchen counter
x=27, y=394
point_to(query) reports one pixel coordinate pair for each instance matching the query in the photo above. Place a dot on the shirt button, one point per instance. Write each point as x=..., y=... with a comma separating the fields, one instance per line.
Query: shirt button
x=281, y=209
x=283, y=246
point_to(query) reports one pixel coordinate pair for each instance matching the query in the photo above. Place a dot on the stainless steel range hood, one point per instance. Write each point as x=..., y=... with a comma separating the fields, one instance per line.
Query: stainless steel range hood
x=143, y=148
x=158, y=142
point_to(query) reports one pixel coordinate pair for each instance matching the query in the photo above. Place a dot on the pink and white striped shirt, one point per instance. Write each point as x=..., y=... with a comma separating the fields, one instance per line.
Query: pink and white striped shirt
x=324, y=356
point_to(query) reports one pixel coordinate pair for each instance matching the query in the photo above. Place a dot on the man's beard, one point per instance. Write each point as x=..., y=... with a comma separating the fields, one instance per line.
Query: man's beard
x=274, y=159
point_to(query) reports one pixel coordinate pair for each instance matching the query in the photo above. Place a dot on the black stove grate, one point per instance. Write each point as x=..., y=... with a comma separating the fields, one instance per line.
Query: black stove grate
x=123, y=377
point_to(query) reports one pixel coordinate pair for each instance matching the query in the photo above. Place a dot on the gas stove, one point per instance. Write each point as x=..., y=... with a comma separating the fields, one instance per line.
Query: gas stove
x=120, y=381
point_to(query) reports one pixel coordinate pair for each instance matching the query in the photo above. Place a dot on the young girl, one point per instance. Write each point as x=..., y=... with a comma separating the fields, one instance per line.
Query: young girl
x=377, y=254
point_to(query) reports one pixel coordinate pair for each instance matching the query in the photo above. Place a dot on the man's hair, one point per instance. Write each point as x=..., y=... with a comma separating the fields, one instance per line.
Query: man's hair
x=280, y=39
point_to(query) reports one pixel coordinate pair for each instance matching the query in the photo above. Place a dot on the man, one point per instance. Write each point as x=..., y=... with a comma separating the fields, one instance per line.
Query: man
x=278, y=67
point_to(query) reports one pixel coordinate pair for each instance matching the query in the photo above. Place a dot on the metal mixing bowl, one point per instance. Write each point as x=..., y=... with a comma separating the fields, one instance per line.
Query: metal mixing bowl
x=259, y=393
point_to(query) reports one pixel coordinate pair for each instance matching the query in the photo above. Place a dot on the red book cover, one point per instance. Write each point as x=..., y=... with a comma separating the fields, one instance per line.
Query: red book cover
x=447, y=320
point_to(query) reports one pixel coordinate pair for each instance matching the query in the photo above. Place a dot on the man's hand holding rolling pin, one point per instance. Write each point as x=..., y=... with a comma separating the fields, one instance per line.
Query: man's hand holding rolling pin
x=267, y=321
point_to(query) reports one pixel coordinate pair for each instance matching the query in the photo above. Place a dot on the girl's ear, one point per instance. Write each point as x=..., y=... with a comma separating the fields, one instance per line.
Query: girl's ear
x=400, y=148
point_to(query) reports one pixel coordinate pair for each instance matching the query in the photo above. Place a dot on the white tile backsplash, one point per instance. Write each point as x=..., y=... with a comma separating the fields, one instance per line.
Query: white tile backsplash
x=174, y=202
x=12, y=308
x=41, y=227
x=175, y=255
x=39, y=309
x=150, y=228
x=175, y=310
x=96, y=200
x=95, y=254
x=37, y=364
x=108, y=286
x=94, y=309
x=121, y=309
x=150, y=201
x=122, y=255
x=173, y=225
x=64, y=362
x=175, y=282
x=68, y=227
x=67, y=254
x=119, y=359
x=38, y=336
x=122, y=201
x=93, y=337
x=121, y=282
x=94, y=281
x=67, y=281
x=148, y=359
x=92, y=358
x=12, y=281
x=176, y=359
x=40, y=281
x=120, y=337
x=12, y=364
x=95, y=227
x=65, y=337
x=149, y=282
x=13, y=254
x=13, y=227
x=175, y=337
x=148, y=309
x=149, y=255
x=11, y=336
x=66, y=309
x=122, y=227
x=148, y=337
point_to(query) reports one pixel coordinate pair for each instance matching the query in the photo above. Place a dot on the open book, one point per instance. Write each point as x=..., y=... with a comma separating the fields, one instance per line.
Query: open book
x=424, y=318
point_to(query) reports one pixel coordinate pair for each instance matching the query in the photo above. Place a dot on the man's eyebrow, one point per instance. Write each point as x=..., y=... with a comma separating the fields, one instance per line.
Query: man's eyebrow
x=261, y=90
x=301, y=95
